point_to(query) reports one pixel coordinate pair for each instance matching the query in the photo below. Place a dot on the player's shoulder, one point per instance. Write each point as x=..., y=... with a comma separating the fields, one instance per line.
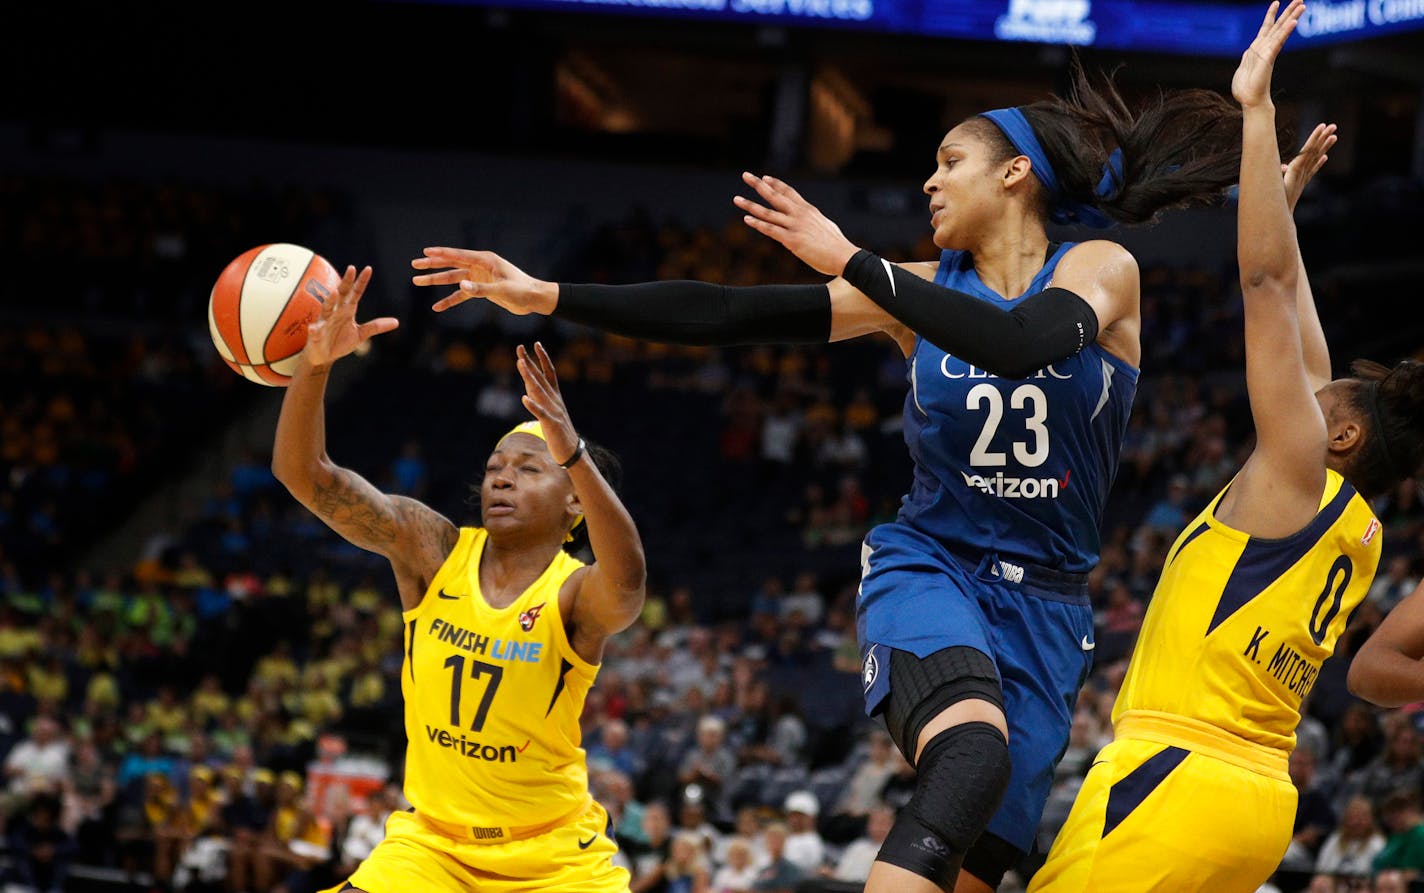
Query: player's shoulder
x=1102, y=253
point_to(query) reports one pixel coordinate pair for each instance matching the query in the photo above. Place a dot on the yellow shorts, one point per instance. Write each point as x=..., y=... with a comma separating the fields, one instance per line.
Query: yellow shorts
x=415, y=858
x=1151, y=816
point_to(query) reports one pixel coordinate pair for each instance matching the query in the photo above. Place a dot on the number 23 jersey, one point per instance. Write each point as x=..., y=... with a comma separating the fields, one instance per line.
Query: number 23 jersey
x=492, y=699
x=1018, y=467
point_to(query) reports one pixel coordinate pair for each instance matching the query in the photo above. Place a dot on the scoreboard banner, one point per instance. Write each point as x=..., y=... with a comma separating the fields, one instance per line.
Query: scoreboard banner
x=1201, y=28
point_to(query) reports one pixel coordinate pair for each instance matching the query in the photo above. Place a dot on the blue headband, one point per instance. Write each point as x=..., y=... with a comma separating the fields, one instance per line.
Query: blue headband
x=1061, y=208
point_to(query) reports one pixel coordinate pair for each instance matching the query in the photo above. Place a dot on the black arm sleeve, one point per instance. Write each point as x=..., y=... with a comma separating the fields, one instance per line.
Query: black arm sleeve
x=1044, y=328
x=685, y=312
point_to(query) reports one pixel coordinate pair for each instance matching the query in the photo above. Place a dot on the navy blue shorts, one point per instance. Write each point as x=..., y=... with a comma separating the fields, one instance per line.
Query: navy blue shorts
x=1035, y=625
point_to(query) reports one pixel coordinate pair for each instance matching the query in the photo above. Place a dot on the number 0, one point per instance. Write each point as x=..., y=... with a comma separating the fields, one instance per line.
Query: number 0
x=1320, y=624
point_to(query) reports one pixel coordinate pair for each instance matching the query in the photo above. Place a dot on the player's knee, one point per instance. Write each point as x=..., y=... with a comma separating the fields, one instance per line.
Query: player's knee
x=962, y=775
x=922, y=689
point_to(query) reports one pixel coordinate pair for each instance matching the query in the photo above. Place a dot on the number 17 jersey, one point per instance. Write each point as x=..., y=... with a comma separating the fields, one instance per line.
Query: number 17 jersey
x=492, y=700
x=1020, y=468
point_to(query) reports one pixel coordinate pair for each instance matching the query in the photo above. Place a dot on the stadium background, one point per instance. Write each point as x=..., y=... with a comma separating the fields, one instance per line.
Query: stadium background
x=167, y=606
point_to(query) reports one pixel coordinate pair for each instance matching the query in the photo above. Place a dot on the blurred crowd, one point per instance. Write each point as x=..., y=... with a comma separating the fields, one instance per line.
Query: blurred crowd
x=176, y=720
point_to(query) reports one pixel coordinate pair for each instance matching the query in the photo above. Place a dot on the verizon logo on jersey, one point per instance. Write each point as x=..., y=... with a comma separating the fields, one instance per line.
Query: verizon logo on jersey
x=1018, y=488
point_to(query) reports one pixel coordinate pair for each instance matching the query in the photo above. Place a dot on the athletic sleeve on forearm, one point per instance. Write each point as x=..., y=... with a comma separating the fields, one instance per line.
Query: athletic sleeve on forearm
x=685, y=312
x=1044, y=328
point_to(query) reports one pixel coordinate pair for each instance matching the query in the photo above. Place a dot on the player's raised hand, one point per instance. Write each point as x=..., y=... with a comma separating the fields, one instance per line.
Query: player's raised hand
x=797, y=224
x=542, y=398
x=1308, y=162
x=484, y=274
x=1251, y=85
x=336, y=333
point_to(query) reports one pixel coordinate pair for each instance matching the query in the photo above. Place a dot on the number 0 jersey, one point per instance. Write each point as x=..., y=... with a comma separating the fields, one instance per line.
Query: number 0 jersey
x=1239, y=626
x=1020, y=468
x=492, y=700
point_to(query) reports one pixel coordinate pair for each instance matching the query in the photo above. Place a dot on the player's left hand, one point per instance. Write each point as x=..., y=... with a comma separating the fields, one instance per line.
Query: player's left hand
x=1251, y=85
x=542, y=397
x=1308, y=162
x=797, y=224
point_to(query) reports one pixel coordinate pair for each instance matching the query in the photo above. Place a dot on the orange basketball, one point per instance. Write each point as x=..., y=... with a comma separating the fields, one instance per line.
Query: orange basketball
x=261, y=304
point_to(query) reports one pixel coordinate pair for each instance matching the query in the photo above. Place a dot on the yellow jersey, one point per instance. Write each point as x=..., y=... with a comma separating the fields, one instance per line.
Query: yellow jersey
x=492, y=701
x=1239, y=625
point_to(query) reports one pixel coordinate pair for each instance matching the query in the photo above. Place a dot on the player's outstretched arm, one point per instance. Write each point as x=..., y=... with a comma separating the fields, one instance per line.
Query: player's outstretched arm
x=1094, y=289
x=413, y=536
x=1306, y=164
x=673, y=311
x=608, y=596
x=1388, y=670
x=1283, y=479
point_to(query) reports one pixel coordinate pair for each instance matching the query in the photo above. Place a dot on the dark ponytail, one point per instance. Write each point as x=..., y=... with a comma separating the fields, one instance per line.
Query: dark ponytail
x=1181, y=149
x=1390, y=403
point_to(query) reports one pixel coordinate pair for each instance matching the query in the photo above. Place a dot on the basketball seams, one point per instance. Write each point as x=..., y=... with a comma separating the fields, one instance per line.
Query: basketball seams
x=233, y=314
x=313, y=266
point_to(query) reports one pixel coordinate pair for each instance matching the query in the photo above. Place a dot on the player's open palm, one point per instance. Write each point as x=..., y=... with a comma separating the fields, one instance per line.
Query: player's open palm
x=797, y=224
x=543, y=399
x=1308, y=162
x=336, y=333
x=484, y=274
x=1251, y=85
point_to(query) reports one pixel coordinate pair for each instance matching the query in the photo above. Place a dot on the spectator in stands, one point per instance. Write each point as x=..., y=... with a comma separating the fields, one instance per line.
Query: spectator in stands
x=41, y=850
x=1392, y=881
x=39, y=762
x=711, y=762
x=198, y=812
x=856, y=859
x=686, y=868
x=612, y=750
x=1405, y=847
x=692, y=819
x=804, y=847
x=1357, y=741
x=1399, y=767
x=780, y=874
x=248, y=817
x=862, y=792
x=1314, y=817
x=650, y=858
x=1350, y=851
x=738, y=873
x=804, y=598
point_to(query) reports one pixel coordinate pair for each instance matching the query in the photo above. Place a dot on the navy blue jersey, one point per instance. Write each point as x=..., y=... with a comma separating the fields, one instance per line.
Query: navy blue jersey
x=1018, y=467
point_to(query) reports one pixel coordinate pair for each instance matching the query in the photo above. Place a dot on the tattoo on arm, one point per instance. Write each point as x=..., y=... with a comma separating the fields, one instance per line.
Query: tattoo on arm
x=356, y=510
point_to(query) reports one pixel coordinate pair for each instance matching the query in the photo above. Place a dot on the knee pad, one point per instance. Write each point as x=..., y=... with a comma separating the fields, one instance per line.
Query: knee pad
x=922, y=688
x=963, y=773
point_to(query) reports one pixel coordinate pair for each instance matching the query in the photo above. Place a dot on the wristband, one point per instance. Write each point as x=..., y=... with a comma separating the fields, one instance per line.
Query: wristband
x=578, y=454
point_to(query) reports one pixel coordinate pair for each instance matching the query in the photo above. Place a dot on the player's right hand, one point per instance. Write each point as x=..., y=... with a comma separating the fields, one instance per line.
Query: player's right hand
x=1251, y=85
x=484, y=274
x=335, y=333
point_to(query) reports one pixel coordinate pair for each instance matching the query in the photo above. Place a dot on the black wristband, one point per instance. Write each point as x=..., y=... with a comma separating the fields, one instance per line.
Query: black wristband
x=578, y=454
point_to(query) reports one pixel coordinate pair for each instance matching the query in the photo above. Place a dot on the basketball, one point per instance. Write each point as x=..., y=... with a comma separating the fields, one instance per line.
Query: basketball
x=260, y=306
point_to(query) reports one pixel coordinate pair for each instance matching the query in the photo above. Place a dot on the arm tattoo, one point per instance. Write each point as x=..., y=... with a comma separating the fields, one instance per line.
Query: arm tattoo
x=356, y=510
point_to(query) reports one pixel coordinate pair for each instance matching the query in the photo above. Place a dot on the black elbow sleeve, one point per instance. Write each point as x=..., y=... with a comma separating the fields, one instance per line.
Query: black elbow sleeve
x=700, y=313
x=1044, y=328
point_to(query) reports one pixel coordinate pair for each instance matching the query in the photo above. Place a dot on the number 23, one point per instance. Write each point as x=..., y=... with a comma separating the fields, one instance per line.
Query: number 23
x=1023, y=395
